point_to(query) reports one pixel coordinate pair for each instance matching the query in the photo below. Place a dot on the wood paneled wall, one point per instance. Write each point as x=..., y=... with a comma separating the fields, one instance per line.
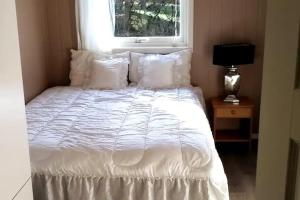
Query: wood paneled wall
x=47, y=32
x=226, y=21
x=215, y=21
x=32, y=26
x=62, y=37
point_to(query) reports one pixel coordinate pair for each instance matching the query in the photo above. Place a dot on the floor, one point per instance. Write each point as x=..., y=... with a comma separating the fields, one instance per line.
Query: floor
x=240, y=168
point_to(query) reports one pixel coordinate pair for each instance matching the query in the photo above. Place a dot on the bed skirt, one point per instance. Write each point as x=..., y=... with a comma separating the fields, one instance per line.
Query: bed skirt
x=47, y=187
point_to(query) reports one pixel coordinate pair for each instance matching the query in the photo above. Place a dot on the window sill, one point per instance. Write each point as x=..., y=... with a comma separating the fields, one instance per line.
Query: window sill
x=160, y=50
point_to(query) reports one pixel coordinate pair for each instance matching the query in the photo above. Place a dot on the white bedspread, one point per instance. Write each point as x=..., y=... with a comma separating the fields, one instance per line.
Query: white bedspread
x=124, y=133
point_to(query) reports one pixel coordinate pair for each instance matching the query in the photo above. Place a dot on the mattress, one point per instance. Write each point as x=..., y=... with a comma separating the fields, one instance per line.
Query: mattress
x=122, y=137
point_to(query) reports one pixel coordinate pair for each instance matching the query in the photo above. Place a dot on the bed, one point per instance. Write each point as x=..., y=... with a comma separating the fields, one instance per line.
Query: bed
x=129, y=144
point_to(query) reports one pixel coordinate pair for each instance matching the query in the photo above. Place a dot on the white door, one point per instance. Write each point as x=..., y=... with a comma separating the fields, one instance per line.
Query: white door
x=14, y=157
x=278, y=172
x=293, y=179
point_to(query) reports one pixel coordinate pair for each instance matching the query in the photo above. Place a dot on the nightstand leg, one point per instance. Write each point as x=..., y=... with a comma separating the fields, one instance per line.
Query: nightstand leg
x=251, y=131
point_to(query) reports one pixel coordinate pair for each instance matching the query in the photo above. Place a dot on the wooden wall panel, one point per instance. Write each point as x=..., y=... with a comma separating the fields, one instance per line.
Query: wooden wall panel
x=47, y=32
x=62, y=37
x=226, y=21
x=32, y=27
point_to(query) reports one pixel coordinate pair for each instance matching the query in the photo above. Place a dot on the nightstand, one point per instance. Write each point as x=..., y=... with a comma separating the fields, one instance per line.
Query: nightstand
x=243, y=112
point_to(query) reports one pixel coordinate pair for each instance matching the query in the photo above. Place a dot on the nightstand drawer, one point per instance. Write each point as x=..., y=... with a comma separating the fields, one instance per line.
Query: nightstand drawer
x=233, y=112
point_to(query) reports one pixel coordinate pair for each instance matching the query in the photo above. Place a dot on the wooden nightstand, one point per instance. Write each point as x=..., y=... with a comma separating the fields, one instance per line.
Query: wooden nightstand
x=242, y=112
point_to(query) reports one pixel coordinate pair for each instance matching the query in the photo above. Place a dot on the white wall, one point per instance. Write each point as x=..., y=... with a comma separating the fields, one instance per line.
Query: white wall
x=281, y=42
x=14, y=155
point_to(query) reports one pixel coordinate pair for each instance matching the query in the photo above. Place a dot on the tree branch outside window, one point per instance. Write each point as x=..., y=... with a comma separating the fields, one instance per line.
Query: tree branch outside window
x=147, y=18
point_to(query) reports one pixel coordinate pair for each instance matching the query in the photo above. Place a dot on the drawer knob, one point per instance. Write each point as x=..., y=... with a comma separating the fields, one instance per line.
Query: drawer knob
x=233, y=112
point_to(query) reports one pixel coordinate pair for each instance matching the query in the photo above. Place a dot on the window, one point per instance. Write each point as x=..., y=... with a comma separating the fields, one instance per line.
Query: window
x=153, y=22
x=144, y=25
x=141, y=18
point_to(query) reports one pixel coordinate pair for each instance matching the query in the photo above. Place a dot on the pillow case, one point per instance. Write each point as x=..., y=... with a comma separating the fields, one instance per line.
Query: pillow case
x=79, y=67
x=156, y=72
x=182, y=68
x=108, y=74
x=81, y=62
x=134, y=66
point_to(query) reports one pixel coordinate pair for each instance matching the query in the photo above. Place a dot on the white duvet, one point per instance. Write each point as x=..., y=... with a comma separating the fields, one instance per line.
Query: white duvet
x=124, y=133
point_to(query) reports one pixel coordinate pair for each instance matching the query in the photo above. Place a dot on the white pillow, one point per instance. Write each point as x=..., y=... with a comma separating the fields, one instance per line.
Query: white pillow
x=134, y=66
x=104, y=56
x=182, y=77
x=156, y=72
x=108, y=74
x=182, y=67
x=79, y=67
x=81, y=64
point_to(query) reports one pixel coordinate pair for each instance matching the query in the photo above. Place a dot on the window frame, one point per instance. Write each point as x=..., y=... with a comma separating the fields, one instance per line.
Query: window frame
x=185, y=40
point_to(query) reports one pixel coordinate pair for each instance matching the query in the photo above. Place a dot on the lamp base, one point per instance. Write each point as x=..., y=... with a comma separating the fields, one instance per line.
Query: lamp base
x=231, y=99
x=232, y=85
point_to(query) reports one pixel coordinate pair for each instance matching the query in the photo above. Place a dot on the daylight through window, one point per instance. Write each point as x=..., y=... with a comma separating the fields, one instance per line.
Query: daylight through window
x=147, y=18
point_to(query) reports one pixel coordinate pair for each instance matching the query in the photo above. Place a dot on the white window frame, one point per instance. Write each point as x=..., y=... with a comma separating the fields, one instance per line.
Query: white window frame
x=164, y=44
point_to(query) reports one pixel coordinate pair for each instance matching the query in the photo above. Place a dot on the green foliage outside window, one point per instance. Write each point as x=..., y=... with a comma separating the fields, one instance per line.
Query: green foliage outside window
x=147, y=18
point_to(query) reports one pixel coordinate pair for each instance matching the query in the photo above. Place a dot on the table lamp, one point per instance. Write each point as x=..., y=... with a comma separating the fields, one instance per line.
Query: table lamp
x=230, y=56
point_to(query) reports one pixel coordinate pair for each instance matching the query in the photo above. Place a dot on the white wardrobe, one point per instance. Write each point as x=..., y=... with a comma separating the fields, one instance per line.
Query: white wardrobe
x=15, y=182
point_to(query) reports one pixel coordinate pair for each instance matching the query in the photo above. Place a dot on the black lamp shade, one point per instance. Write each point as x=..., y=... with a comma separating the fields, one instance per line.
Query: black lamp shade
x=233, y=54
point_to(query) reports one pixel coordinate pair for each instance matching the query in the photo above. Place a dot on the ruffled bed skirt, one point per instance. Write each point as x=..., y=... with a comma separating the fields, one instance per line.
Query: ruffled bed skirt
x=46, y=187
